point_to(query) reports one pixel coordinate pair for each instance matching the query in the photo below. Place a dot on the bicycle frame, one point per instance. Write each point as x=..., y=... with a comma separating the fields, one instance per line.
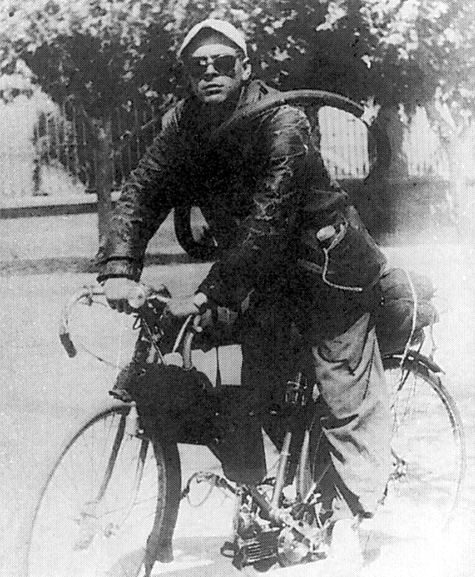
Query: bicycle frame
x=269, y=524
x=298, y=398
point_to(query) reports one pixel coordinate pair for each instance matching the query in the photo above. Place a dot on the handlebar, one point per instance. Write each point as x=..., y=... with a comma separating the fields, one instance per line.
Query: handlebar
x=137, y=298
x=64, y=335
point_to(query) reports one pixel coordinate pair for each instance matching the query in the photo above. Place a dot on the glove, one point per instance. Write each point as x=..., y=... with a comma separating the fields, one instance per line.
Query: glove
x=187, y=305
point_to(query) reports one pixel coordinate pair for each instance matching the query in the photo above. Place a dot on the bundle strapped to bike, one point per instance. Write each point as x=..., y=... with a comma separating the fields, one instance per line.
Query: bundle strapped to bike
x=403, y=310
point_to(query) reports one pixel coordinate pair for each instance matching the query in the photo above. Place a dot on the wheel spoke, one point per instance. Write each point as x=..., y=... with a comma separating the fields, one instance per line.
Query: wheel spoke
x=427, y=445
x=94, y=520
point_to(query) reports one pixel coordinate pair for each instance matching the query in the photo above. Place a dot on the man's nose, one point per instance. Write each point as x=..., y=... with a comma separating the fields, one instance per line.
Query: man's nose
x=210, y=71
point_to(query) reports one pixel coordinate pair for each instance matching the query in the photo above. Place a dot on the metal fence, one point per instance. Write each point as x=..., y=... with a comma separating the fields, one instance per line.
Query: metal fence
x=53, y=152
x=63, y=139
x=60, y=141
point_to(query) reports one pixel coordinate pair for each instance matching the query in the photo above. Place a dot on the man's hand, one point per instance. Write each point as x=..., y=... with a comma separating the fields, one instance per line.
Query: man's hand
x=116, y=291
x=185, y=306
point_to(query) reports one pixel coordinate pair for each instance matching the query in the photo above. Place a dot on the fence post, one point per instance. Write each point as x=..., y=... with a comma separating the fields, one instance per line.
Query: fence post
x=104, y=176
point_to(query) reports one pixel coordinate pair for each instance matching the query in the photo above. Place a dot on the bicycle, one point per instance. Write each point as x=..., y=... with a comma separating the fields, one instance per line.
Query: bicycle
x=114, y=519
x=150, y=465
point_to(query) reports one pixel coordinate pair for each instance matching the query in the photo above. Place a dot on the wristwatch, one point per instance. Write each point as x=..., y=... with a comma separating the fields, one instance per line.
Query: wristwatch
x=200, y=300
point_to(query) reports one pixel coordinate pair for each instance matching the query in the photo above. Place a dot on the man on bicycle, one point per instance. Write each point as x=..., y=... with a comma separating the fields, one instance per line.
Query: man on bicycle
x=291, y=247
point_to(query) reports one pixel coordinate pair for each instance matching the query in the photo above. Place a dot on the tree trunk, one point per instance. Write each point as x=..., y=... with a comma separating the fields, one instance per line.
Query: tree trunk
x=453, y=140
x=379, y=197
x=104, y=176
x=457, y=189
x=390, y=121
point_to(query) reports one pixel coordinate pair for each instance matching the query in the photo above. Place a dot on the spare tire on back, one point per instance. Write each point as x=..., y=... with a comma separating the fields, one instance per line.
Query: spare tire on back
x=206, y=248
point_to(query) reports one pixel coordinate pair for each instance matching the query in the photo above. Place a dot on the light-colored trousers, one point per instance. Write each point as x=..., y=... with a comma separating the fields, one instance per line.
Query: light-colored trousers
x=353, y=432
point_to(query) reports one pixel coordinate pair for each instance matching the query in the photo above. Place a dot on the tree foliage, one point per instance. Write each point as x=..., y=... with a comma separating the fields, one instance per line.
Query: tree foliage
x=101, y=52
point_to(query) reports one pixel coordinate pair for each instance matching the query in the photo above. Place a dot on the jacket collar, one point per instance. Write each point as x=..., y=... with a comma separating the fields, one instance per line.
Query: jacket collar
x=254, y=91
x=251, y=92
x=189, y=109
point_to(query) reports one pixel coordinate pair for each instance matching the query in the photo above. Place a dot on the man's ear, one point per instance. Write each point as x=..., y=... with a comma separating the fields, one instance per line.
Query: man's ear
x=246, y=68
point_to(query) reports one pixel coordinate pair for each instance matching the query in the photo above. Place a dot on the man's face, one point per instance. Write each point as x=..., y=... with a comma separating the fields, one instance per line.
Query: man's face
x=216, y=69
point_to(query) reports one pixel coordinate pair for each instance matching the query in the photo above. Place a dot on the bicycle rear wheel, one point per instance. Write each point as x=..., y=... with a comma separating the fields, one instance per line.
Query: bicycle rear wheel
x=99, y=503
x=427, y=448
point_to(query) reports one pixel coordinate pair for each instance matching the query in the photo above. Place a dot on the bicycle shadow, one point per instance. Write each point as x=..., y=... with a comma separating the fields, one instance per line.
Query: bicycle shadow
x=384, y=554
x=386, y=548
x=412, y=547
x=194, y=557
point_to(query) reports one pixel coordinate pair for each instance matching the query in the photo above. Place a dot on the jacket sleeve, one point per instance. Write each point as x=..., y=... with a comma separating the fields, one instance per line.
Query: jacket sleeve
x=144, y=203
x=266, y=232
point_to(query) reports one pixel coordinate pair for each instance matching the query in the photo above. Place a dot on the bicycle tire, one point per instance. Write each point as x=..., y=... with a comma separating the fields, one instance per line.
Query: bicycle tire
x=68, y=535
x=182, y=214
x=428, y=444
x=421, y=489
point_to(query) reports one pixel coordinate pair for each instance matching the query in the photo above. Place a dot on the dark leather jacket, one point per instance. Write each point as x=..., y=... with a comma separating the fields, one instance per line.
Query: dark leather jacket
x=259, y=187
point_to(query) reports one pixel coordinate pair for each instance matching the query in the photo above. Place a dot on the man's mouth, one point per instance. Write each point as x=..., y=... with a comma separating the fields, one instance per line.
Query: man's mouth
x=212, y=88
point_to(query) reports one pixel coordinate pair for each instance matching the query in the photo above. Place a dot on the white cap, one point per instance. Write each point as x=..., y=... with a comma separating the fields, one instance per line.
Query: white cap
x=221, y=26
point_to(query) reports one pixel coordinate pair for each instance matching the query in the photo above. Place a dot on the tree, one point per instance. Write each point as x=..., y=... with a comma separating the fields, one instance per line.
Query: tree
x=97, y=54
x=393, y=53
x=389, y=53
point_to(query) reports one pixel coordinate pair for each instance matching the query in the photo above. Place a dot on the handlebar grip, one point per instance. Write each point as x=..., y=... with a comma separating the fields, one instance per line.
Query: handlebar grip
x=139, y=294
x=68, y=344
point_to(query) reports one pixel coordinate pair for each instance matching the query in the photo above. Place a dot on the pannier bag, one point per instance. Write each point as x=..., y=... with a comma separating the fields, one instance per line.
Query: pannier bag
x=341, y=252
x=394, y=314
x=181, y=402
x=188, y=409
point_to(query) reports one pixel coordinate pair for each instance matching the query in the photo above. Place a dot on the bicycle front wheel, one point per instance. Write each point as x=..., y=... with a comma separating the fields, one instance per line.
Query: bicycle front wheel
x=427, y=447
x=106, y=492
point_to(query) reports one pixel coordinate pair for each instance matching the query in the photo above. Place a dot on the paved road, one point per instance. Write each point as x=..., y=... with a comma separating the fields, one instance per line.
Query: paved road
x=45, y=395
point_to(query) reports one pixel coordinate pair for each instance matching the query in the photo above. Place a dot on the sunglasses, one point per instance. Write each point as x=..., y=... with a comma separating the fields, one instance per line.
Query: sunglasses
x=224, y=64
